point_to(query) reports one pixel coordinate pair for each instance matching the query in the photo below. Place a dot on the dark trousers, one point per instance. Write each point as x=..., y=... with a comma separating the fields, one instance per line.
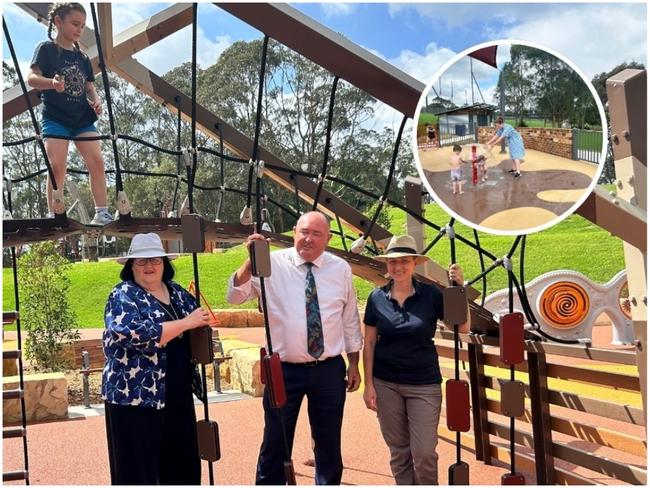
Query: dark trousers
x=324, y=385
x=153, y=447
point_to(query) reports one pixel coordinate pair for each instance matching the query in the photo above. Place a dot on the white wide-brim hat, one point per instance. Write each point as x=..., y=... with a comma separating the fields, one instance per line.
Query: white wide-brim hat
x=146, y=246
x=402, y=246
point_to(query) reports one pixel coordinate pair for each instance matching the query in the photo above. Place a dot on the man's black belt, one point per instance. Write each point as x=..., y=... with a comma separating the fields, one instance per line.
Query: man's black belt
x=310, y=364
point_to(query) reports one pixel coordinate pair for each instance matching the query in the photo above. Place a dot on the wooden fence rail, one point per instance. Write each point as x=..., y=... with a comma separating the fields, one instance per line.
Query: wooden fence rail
x=567, y=434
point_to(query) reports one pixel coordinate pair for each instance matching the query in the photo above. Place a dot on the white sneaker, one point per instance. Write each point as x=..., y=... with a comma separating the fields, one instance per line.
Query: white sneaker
x=101, y=218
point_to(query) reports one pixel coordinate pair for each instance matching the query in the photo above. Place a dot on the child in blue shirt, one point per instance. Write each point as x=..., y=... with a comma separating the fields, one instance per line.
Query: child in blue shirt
x=64, y=76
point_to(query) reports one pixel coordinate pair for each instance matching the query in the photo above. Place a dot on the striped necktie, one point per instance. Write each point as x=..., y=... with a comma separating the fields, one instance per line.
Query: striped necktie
x=315, y=344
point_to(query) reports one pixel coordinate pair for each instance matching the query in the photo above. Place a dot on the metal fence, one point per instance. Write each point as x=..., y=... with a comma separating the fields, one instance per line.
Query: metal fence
x=587, y=145
x=456, y=134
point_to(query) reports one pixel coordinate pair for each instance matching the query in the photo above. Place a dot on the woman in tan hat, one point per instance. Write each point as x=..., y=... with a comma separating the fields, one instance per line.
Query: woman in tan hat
x=148, y=379
x=402, y=372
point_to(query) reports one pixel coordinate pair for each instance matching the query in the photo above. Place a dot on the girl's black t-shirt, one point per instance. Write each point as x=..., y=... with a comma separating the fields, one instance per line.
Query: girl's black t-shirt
x=70, y=108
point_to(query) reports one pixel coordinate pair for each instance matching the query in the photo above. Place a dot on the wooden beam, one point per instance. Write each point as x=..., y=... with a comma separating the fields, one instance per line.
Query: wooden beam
x=620, y=219
x=627, y=95
x=105, y=21
x=581, y=403
x=599, y=464
x=332, y=51
x=586, y=432
x=541, y=418
x=479, y=403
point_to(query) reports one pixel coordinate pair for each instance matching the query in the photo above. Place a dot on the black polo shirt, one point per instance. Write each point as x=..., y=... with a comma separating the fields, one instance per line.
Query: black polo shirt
x=405, y=352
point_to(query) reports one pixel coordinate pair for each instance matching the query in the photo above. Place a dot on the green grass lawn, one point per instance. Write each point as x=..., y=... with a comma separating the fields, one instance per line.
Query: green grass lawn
x=574, y=244
x=531, y=123
x=591, y=141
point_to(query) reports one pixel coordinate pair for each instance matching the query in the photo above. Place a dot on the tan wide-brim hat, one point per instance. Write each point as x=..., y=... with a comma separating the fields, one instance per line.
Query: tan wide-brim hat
x=402, y=246
x=146, y=246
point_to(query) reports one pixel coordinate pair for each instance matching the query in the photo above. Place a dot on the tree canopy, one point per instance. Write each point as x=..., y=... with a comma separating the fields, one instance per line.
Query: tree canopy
x=294, y=120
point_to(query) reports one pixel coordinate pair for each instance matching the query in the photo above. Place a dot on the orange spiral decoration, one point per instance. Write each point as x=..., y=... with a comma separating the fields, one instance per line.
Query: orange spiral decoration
x=564, y=304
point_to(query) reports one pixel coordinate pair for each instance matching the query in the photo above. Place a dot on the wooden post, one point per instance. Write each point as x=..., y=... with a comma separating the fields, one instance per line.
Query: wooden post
x=414, y=228
x=627, y=96
x=479, y=404
x=541, y=418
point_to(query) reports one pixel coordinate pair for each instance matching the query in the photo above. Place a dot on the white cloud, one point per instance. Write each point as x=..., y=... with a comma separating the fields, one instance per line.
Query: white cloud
x=337, y=9
x=423, y=66
x=177, y=49
x=604, y=35
x=596, y=37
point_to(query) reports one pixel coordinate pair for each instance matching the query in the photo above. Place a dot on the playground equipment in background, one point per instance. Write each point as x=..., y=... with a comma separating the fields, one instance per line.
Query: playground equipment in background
x=567, y=304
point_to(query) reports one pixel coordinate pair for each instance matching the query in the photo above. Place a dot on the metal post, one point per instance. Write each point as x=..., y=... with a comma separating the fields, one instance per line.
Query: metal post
x=86, y=382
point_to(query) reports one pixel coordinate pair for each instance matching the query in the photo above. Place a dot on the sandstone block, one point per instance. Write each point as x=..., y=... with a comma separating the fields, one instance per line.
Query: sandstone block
x=46, y=397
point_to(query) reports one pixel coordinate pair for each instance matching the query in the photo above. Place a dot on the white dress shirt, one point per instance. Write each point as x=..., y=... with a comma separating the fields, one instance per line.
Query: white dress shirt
x=287, y=313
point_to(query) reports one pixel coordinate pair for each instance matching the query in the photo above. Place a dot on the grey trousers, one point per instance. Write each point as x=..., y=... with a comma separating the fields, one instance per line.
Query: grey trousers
x=408, y=417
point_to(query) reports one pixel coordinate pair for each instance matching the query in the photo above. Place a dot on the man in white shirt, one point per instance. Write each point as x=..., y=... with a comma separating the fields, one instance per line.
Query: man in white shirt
x=313, y=319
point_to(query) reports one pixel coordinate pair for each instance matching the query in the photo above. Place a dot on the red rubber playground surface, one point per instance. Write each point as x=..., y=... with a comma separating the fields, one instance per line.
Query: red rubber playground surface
x=74, y=451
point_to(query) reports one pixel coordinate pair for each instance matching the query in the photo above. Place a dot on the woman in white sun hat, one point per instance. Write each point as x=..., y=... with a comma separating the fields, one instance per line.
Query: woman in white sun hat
x=402, y=372
x=148, y=379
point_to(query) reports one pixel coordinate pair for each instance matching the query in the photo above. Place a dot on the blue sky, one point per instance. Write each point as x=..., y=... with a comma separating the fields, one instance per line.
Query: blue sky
x=417, y=38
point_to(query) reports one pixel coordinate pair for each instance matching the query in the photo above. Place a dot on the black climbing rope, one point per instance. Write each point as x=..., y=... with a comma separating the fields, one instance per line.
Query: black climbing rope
x=257, y=167
x=359, y=245
x=177, y=185
x=109, y=105
x=328, y=137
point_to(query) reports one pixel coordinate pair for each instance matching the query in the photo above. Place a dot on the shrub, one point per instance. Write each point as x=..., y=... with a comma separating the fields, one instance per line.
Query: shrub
x=45, y=311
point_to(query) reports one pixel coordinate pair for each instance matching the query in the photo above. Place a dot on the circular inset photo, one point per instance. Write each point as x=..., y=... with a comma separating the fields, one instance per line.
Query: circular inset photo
x=511, y=137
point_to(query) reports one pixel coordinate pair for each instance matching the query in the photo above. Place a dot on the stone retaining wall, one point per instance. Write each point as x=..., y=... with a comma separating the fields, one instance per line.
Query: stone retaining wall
x=552, y=141
x=242, y=372
x=239, y=318
x=46, y=397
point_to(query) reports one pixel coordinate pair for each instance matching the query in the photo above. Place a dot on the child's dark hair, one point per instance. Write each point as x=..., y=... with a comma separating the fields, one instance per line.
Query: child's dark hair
x=62, y=10
x=499, y=120
x=127, y=271
x=457, y=148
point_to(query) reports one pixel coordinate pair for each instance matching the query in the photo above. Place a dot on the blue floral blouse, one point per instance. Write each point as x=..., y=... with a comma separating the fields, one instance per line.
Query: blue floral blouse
x=134, y=373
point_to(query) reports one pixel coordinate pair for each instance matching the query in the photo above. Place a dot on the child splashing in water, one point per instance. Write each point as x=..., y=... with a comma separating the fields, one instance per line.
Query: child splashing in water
x=64, y=76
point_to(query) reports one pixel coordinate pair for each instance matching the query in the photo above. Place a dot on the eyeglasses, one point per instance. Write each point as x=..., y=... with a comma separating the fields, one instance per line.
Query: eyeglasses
x=143, y=261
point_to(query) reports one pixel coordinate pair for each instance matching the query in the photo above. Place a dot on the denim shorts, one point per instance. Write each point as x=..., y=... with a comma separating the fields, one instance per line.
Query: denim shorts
x=50, y=127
